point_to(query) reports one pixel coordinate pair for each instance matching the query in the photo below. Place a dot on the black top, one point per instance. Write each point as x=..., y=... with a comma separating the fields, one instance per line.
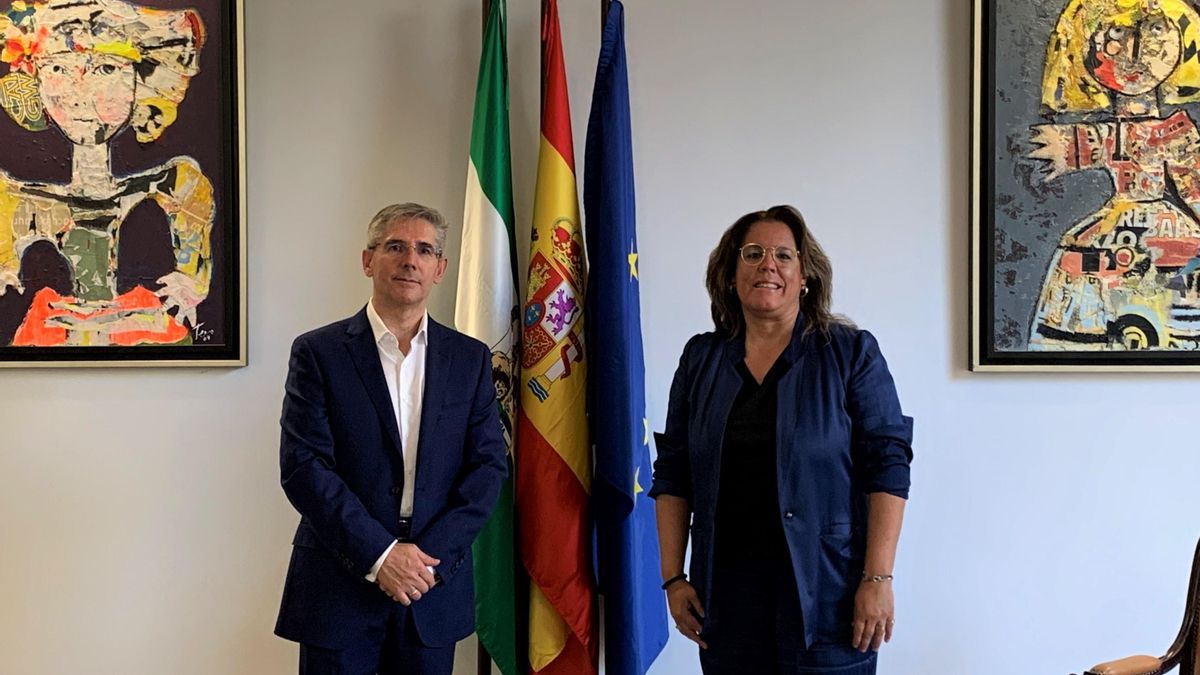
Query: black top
x=754, y=589
x=747, y=523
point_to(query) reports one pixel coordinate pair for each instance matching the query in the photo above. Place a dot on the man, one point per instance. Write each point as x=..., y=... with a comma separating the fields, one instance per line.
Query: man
x=393, y=453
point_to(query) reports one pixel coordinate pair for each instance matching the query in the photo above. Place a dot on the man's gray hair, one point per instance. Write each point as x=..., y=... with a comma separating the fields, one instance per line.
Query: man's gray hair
x=398, y=213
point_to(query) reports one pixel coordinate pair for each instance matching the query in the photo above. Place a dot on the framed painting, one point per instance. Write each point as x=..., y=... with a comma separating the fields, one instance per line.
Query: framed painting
x=122, y=191
x=1086, y=185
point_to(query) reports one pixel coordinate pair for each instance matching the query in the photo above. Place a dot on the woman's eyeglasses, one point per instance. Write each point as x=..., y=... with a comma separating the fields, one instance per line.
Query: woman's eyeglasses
x=753, y=254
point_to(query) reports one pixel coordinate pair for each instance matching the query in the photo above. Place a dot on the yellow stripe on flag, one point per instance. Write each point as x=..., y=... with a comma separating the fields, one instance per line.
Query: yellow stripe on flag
x=547, y=631
x=562, y=419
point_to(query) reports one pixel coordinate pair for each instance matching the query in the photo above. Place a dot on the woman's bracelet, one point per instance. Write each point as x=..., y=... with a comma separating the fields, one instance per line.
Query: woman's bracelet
x=677, y=577
x=876, y=578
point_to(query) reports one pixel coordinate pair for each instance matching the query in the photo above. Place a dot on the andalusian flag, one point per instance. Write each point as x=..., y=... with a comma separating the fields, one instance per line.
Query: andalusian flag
x=487, y=310
x=554, y=464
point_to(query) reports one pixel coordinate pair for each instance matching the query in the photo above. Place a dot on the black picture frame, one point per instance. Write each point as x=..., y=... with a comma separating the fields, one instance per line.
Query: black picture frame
x=1020, y=220
x=206, y=132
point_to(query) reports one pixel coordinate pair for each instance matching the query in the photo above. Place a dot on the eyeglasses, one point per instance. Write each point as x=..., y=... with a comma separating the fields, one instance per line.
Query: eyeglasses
x=753, y=254
x=399, y=247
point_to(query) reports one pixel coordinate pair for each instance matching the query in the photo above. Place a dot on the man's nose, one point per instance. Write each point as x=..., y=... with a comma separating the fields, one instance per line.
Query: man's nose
x=410, y=256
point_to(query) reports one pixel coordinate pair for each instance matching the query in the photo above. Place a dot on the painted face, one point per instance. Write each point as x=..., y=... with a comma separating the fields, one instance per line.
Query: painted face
x=89, y=96
x=1135, y=59
x=402, y=265
x=770, y=288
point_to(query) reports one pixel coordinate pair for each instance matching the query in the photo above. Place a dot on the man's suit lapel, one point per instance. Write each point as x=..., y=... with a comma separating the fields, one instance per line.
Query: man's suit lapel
x=360, y=342
x=437, y=378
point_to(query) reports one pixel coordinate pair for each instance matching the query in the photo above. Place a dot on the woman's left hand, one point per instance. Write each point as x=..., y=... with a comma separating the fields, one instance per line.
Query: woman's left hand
x=874, y=615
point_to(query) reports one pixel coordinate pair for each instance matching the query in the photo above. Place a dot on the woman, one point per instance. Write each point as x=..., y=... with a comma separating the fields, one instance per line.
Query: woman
x=92, y=69
x=786, y=449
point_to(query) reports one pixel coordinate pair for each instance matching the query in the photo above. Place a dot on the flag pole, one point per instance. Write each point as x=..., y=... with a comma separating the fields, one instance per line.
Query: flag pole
x=542, y=100
x=604, y=5
x=483, y=660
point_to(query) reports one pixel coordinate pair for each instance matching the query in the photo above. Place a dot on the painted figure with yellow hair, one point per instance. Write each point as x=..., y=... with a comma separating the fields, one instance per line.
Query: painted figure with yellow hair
x=92, y=69
x=1127, y=276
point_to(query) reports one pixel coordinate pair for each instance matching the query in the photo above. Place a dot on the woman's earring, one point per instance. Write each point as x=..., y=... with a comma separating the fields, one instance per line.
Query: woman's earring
x=803, y=291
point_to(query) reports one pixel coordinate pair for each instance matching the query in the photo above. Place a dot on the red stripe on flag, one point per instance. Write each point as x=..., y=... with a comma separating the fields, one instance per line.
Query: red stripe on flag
x=552, y=508
x=556, y=110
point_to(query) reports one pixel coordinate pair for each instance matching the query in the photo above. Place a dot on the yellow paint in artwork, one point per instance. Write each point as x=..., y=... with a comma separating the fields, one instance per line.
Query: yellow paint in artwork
x=561, y=419
x=1154, y=305
x=1067, y=86
x=1111, y=218
x=125, y=50
x=8, y=211
x=148, y=131
x=190, y=210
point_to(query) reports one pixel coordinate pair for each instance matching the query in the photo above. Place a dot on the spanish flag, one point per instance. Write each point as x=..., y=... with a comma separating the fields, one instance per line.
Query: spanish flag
x=554, y=466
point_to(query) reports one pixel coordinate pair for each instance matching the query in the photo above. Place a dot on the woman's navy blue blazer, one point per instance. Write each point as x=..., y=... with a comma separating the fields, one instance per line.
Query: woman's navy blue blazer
x=840, y=435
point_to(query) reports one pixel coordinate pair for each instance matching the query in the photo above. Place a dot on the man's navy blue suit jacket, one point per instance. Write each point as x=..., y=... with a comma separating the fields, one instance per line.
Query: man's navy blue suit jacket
x=840, y=435
x=342, y=468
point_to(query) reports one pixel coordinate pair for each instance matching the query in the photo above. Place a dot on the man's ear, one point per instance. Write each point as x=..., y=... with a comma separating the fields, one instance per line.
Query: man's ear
x=366, y=261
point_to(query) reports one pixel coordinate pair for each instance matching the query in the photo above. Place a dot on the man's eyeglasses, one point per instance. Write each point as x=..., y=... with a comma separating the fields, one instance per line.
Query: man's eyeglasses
x=753, y=254
x=399, y=247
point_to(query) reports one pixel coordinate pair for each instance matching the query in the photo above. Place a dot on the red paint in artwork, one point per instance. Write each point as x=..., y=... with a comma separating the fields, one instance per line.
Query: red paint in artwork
x=40, y=328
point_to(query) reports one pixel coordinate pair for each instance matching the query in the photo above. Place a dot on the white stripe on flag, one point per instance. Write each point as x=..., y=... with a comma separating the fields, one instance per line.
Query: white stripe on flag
x=486, y=295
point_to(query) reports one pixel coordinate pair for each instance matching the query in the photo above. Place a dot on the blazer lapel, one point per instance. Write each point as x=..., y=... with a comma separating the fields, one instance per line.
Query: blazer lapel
x=437, y=378
x=787, y=403
x=360, y=342
x=726, y=385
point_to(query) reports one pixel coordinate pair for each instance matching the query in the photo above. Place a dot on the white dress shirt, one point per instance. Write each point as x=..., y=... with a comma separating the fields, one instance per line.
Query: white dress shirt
x=405, y=375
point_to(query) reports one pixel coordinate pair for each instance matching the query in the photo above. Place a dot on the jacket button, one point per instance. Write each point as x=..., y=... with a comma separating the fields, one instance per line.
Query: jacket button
x=788, y=515
x=397, y=491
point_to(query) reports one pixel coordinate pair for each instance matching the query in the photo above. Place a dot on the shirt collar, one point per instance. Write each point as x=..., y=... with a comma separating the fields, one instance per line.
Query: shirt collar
x=381, y=332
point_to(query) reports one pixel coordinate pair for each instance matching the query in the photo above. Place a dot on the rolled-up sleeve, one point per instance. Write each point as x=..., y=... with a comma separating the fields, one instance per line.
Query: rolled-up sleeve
x=882, y=434
x=672, y=468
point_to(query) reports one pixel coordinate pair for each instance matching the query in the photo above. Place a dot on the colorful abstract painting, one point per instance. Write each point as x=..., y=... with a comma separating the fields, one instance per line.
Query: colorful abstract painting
x=120, y=172
x=1086, y=185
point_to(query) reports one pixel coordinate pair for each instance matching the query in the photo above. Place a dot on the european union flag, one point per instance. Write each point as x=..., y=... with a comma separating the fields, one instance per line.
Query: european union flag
x=635, y=612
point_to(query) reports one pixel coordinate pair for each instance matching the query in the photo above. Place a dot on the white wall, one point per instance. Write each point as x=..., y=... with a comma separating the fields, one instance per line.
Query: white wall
x=1052, y=518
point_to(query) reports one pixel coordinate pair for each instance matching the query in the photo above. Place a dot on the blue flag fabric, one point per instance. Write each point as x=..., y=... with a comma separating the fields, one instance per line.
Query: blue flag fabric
x=627, y=560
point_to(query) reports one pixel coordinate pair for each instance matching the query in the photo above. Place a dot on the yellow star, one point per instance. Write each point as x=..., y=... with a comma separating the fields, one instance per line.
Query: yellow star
x=633, y=256
x=637, y=486
x=645, y=431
